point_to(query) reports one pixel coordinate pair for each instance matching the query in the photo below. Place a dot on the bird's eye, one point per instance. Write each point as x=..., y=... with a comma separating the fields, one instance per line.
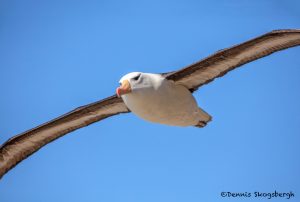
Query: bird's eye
x=136, y=78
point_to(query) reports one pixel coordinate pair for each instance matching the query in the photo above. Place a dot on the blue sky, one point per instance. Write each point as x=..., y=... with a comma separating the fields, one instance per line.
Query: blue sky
x=58, y=55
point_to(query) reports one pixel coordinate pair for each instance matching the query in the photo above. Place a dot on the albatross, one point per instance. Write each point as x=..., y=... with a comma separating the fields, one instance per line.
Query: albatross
x=164, y=98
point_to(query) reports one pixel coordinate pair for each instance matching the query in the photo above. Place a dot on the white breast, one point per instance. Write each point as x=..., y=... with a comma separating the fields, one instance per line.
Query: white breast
x=166, y=103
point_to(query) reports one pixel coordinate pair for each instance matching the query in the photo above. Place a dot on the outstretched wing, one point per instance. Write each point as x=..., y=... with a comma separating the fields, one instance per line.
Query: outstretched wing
x=223, y=61
x=21, y=146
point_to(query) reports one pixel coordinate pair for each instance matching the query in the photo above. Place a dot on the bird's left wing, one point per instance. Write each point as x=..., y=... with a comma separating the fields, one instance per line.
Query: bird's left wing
x=223, y=61
x=21, y=146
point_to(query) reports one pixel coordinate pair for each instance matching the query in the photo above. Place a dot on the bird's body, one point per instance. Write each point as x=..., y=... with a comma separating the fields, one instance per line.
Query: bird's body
x=159, y=100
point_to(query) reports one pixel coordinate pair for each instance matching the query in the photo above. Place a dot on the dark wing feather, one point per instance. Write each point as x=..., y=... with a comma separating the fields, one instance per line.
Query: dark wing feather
x=223, y=61
x=21, y=146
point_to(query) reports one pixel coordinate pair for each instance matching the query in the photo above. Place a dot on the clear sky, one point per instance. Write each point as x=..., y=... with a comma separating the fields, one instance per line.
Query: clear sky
x=58, y=55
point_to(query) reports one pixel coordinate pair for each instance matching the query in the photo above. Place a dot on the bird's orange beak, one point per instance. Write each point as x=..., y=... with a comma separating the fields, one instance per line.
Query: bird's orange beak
x=124, y=88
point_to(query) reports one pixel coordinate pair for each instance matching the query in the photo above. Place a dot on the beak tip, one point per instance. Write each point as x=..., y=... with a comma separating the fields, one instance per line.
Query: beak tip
x=118, y=92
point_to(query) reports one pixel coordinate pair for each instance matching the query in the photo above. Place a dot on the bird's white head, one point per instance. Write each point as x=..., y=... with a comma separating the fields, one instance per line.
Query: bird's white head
x=138, y=81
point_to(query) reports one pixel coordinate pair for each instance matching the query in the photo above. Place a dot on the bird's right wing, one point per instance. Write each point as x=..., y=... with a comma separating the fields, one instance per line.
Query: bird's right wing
x=21, y=146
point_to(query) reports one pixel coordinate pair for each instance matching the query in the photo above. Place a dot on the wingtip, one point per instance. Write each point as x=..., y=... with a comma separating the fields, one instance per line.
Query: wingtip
x=201, y=124
x=277, y=31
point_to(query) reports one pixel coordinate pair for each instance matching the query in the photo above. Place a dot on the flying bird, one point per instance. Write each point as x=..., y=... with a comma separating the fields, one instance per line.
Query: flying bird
x=163, y=98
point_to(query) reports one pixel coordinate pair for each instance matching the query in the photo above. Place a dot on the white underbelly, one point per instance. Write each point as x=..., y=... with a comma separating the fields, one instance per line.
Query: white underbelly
x=171, y=105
